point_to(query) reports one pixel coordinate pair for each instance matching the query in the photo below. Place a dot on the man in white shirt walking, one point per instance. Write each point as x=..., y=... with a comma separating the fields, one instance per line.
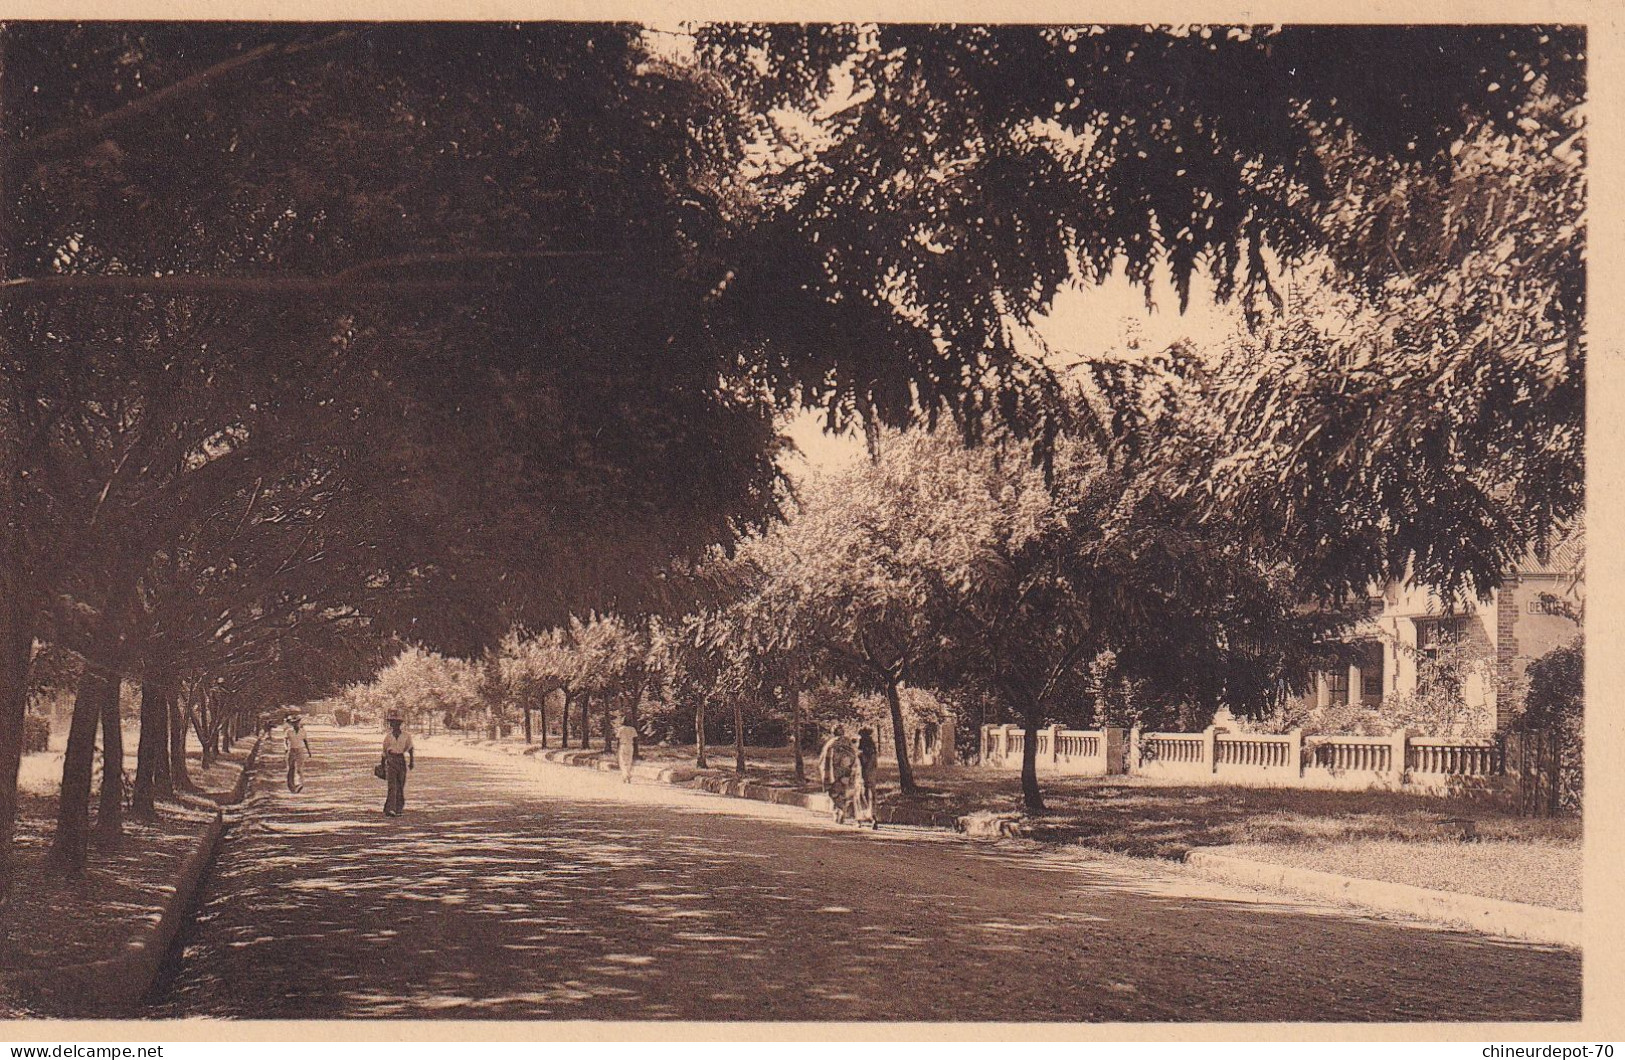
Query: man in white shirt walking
x=398, y=758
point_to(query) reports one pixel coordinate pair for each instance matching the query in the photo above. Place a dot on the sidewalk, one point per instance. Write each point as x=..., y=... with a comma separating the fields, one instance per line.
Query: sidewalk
x=93, y=947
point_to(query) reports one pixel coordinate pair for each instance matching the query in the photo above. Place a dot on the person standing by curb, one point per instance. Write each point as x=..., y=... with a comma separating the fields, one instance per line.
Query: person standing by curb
x=836, y=763
x=398, y=758
x=626, y=748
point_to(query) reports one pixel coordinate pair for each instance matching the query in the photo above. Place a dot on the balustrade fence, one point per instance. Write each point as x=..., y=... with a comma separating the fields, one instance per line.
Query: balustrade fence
x=1216, y=755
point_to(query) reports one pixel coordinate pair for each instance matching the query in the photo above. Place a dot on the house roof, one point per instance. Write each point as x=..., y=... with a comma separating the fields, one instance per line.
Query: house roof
x=1565, y=558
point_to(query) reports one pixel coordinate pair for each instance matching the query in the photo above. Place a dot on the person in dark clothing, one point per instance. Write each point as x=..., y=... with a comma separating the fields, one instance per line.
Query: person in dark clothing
x=863, y=793
x=398, y=758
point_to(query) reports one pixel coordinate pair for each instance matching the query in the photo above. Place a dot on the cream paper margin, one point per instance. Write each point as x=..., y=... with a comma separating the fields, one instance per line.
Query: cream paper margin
x=1603, y=1012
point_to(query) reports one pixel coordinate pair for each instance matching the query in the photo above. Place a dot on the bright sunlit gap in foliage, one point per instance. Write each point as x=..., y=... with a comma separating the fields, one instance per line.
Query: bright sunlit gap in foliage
x=1084, y=323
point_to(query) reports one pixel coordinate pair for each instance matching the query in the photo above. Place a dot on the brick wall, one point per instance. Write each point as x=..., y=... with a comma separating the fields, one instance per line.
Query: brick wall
x=1507, y=602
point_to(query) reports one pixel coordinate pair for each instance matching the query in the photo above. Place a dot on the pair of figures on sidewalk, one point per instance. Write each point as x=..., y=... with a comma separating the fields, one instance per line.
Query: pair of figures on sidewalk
x=398, y=757
x=847, y=771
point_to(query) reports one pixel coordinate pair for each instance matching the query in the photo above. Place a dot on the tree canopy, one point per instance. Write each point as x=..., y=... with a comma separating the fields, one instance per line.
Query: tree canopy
x=503, y=313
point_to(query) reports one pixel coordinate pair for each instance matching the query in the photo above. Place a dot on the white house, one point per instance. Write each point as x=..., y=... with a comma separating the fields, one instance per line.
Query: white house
x=1538, y=607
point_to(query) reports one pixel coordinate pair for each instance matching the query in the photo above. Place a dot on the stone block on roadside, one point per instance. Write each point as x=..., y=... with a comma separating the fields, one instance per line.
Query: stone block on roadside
x=989, y=825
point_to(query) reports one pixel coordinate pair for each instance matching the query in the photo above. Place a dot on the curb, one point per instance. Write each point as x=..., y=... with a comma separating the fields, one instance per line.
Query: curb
x=1491, y=916
x=116, y=987
x=688, y=777
x=738, y=788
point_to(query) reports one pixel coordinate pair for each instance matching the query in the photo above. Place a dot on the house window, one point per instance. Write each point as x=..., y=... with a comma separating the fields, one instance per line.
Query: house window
x=1337, y=687
x=1434, y=669
x=1432, y=633
x=1370, y=671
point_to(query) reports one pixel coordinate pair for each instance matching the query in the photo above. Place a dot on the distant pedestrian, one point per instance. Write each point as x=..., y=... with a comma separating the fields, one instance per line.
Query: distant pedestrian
x=837, y=766
x=863, y=787
x=398, y=758
x=297, y=743
x=626, y=747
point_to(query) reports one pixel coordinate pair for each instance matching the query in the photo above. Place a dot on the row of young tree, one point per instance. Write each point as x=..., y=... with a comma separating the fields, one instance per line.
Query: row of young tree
x=1006, y=585
x=320, y=338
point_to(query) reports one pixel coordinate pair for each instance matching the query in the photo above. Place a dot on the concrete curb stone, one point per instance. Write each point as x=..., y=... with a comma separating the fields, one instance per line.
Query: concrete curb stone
x=1534, y=923
x=739, y=788
x=687, y=777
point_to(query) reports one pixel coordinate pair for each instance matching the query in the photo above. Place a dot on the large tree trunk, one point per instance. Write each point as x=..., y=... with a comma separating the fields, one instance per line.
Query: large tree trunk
x=699, y=734
x=586, y=720
x=605, y=726
x=795, y=735
x=525, y=710
x=110, y=807
x=16, y=651
x=152, y=779
x=17, y=646
x=102, y=669
x=17, y=611
x=198, y=715
x=68, y=847
x=1031, y=799
x=180, y=776
x=739, y=737
x=564, y=722
x=899, y=739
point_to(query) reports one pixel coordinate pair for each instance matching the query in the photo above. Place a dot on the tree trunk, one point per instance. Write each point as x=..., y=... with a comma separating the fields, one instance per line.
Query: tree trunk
x=605, y=725
x=564, y=722
x=699, y=733
x=152, y=751
x=525, y=710
x=739, y=737
x=110, y=807
x=1031, y=799
x=180, y=776
x=68, y=847
x=16, y=651
x=17, y=611
x=899, y=739
x=795, y=735
x=201, y=714
x=634, y=715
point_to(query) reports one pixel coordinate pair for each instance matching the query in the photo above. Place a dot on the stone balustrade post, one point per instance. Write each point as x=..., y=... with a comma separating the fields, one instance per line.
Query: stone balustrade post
x=1210, y=746
x=947, y=748
x=1399, y=745
x=1112, y=747
x=1055, y=746
x=1134, y=761
x=1295, y=752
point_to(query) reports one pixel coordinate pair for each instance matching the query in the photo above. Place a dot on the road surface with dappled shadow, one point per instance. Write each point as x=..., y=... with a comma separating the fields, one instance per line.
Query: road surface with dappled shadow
x=510, y=891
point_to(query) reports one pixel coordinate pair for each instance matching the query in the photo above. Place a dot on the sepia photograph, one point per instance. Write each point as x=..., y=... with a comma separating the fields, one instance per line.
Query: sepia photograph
x=762, y=522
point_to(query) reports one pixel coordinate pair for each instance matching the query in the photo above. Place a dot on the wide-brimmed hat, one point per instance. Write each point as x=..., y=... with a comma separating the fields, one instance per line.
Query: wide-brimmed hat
x=394, y=715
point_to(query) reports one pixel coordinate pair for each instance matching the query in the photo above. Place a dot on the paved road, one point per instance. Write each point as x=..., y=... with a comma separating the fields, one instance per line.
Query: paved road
x=518, y=892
